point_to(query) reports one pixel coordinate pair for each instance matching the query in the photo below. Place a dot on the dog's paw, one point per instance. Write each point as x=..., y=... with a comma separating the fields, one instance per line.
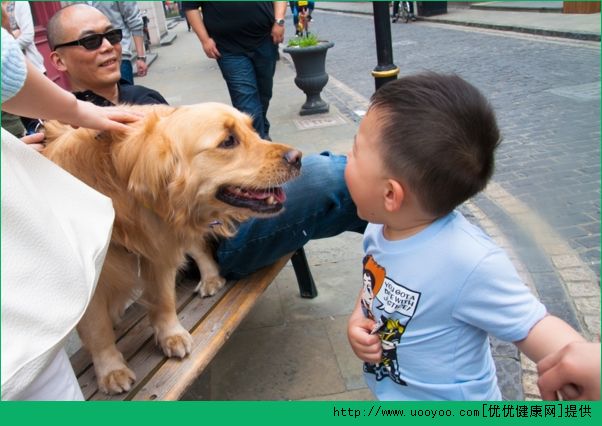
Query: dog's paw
x=210, y=286
x=117, y=381
x=177, y=343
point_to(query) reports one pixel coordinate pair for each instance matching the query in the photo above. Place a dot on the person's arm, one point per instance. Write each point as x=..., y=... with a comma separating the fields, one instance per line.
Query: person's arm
x=25, y=34
x=576, y=366
x=132, y=17
x=196, y=23
x=5, y=19
x=141, y=65
x=547, y=336
x=278, y=30
x=40, y=97
x=365, y=345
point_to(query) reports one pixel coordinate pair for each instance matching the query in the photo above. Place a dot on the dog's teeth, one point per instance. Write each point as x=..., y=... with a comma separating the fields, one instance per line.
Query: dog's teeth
x=271, y=200
x=237, y=190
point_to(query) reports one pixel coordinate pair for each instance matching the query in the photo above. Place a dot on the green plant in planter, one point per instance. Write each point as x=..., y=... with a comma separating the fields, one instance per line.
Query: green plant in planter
x=304, y=41
x=309, y=56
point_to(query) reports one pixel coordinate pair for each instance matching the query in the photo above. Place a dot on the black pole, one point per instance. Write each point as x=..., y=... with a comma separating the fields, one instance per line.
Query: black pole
x=386, y=70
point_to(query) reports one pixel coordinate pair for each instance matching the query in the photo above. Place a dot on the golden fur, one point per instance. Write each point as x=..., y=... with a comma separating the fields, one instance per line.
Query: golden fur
x=163, y=177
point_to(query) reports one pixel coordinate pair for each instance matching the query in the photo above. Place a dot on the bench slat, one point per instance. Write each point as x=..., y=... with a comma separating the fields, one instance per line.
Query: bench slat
x=174, y=377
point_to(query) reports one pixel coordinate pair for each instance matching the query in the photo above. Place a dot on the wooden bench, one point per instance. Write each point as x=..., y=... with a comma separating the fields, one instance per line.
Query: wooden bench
x=210, y=321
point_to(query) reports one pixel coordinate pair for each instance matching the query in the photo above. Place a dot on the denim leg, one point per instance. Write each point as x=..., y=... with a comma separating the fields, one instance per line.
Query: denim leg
x=127, y=70
x=239, y=73
x=264, y=62
x=318, y=205
x=295, y=12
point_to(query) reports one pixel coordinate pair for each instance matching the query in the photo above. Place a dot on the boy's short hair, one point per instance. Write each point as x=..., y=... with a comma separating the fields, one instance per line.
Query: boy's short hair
x=438, y=134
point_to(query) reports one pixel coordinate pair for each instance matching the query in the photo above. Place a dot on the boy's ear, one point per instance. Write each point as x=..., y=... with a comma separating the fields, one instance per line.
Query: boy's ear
x=394, y=195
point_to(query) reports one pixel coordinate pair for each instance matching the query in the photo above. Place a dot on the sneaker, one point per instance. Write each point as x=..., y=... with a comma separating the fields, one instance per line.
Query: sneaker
x=394, y=20
x=412, y=17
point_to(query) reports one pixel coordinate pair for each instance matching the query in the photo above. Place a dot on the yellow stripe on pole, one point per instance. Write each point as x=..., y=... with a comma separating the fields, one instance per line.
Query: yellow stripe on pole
x=384, y=74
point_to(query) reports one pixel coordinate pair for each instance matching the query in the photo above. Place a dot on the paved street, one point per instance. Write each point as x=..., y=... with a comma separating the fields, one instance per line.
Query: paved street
x=546, y=94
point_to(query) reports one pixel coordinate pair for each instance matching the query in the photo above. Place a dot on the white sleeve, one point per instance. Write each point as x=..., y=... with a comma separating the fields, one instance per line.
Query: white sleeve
x=132, y=17
x=496, y=300
x=25, y=23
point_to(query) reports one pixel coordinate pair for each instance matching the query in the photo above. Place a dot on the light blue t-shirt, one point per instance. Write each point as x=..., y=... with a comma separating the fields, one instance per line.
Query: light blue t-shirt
x=435, y=297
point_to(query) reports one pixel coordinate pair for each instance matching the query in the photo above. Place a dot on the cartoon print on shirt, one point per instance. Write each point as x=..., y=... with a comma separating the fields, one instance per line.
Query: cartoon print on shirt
x=394, y=310
x=373, y=278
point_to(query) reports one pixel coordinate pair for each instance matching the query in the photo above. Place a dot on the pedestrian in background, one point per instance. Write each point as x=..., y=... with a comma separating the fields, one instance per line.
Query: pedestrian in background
x=183, y=14
x=296, y=6
x=243, y=37
x=127, y=16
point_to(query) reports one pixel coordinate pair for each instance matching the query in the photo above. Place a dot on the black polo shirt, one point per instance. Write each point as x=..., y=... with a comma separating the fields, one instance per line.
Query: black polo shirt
x=128, y=94
x=236, y=26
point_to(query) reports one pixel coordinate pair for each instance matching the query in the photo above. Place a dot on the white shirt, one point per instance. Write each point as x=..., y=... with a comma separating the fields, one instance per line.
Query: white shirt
x=24, y=21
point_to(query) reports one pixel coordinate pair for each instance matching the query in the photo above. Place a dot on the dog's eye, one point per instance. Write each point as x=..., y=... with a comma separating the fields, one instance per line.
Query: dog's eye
x=229, y=143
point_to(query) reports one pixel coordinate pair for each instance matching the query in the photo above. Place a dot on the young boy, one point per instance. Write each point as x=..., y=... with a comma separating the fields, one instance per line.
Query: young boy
x=434, y=285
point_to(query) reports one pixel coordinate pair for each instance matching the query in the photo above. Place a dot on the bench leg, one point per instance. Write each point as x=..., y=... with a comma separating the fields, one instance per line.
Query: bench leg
x=307, y=287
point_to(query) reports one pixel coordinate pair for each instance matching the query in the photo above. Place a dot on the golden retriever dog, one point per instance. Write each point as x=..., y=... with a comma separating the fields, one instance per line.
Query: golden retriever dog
x=173, y=175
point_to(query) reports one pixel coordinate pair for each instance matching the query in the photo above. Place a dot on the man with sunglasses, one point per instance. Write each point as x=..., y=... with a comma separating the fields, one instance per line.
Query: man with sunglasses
x=87, y=47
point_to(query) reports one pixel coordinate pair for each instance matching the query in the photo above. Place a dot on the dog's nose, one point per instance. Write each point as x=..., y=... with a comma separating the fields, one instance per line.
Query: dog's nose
x=293, y=157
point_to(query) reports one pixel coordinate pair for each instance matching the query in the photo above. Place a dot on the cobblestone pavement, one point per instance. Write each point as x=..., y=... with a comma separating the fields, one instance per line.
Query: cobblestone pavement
x=544, y=201
x=546, y=93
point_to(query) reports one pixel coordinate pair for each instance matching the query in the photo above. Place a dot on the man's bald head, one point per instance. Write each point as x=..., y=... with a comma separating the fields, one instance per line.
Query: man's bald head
x=63, y=26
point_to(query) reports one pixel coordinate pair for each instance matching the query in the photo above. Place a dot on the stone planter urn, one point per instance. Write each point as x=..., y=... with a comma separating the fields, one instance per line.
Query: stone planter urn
x=310, y=64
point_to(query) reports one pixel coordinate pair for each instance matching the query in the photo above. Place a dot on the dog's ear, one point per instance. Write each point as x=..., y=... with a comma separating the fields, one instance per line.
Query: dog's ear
x=145, y=159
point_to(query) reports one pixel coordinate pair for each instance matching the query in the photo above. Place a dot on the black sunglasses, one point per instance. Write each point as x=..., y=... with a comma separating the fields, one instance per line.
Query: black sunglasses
x=93, y=42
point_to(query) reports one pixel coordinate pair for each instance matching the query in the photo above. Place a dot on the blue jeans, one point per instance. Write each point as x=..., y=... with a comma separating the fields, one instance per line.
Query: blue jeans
x=318, y=205
x=127, y=70
x=249, y=77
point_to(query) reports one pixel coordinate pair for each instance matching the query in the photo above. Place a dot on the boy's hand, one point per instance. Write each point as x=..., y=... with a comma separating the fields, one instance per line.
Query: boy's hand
x=365, y=345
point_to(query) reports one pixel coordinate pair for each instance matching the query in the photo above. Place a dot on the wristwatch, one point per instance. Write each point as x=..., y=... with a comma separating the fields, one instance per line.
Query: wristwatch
x=280, y=22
